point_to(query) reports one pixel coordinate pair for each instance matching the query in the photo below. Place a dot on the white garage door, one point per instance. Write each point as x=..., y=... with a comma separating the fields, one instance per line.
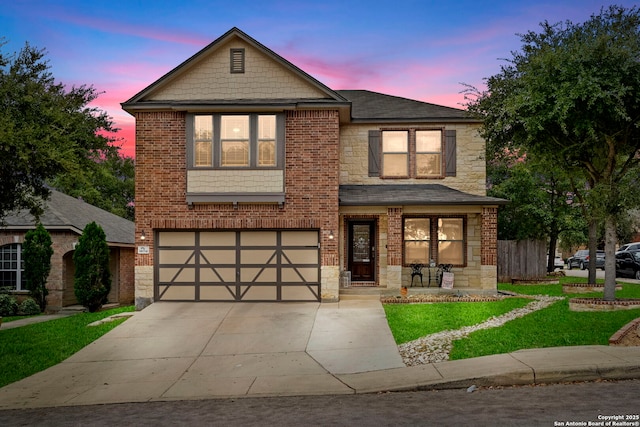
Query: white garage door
x=279, y=265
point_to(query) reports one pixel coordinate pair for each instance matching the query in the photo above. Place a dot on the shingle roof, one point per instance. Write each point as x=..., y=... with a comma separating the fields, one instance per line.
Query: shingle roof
x=374, y=106
x=410, y=194
x=65, y=212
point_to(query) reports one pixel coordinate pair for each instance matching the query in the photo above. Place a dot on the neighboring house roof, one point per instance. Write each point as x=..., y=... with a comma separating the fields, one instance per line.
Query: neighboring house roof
x=63, y=212
x=410, y=194
x=378, y=107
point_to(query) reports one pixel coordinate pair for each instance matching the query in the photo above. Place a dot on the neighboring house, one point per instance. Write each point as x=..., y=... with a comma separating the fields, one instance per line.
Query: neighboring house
x=256, y=182
x=64, y=218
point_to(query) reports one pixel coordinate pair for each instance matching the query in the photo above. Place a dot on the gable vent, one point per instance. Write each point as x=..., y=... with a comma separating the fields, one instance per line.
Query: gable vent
x=237, y=60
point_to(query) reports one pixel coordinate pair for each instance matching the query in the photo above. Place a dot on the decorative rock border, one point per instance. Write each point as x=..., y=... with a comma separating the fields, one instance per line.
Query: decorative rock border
x=584, y=288
x=425, y=298
x=550, y=281
x=598, y=304
x=629, y=334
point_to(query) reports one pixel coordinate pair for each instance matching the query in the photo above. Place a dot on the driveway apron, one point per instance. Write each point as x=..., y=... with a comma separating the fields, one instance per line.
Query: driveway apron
x=173, y=351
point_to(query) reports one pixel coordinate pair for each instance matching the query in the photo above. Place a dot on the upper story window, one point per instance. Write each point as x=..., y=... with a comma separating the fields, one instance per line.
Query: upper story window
x=236, y=141
x=12, y=267
x=412, y=153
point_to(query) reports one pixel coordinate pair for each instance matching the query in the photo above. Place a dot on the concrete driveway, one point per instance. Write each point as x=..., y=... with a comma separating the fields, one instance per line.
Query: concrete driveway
x=201, y=350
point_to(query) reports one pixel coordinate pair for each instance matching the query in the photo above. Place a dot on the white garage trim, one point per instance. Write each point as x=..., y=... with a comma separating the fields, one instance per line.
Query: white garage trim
x=237, y=265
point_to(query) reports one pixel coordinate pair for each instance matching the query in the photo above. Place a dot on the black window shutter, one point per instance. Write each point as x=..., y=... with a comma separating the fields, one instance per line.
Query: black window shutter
x=374, y=153
x=450, y=152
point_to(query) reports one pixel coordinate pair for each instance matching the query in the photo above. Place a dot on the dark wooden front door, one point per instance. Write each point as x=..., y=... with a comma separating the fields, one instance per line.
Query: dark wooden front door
x=362, y=251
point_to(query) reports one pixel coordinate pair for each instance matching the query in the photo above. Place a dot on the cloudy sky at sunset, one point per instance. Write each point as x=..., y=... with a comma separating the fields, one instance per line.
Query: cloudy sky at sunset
x=422, y=49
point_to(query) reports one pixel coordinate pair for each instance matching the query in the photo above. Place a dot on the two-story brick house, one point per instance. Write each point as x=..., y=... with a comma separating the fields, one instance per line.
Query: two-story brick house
x=256, y=182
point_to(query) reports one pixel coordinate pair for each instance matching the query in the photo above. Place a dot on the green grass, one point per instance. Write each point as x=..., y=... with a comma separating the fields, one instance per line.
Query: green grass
x=551, y=327
x=33, y=348
x=411, y=321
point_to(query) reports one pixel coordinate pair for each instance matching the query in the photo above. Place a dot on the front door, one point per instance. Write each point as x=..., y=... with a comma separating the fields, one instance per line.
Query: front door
x=362, y=251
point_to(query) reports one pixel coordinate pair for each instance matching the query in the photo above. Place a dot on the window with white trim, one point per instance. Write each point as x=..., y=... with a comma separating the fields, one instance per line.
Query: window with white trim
x=12, y=267
x=412, y=153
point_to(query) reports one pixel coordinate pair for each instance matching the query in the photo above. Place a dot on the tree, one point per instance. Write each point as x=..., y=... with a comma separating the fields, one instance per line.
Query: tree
x=92, y=278
x=108, y=184
x=572, y=95
x=37, y=252
x=540, y=201
x=45, y=129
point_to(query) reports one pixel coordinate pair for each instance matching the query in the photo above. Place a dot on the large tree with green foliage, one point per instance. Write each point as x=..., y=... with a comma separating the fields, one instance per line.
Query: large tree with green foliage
x=572, y=94
x=36, y=252
x=46, y=129
x=540, y=200
x=108, y=184
x=91, y=258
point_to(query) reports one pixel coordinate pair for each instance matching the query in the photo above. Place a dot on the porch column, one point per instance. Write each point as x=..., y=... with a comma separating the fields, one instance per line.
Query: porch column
x=394, y=248
x=489, y=248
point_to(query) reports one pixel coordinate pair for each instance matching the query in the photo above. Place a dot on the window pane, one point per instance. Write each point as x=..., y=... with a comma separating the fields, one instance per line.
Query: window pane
x=416, y=229
x=394, y=165
x=235, y=153
x=395, y=141
x=428, y=164
x=266, y=127
x=203, y=144
x=416, y=252
x=266, y=153
x=428, y=141
x=450, y=253
x=450, y=229
x=234, y=127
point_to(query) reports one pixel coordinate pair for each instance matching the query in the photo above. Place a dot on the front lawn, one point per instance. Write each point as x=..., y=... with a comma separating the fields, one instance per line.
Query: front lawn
x=33, y=348
x=550, y=327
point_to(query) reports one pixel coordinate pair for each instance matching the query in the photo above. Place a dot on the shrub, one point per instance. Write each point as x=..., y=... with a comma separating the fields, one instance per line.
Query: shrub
x=28, y=307
x=92, y=278
x=8, y=305
x=37, y=253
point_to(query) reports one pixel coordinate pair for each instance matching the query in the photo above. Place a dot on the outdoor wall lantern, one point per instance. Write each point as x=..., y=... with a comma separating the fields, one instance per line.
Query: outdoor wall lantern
x=142, y=235
x=331, y=235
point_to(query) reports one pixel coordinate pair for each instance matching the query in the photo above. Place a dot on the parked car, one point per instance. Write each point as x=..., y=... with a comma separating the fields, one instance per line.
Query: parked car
x=631, y=247
x=558, y=262
x=581, y=260
x=628, y=264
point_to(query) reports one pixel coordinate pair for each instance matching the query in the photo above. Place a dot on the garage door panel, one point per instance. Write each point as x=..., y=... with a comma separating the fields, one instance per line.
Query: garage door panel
x=173, y=256
x=218, y=256
x=261, y=275
x=180, y=275
x=257, y=256
x=177, y=238
x=177, y=293
x=279, y=265
x=300, y=256
x=218, y=275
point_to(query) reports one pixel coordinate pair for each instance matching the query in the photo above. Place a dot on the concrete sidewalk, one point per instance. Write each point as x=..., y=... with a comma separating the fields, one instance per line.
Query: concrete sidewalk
x=181, y=351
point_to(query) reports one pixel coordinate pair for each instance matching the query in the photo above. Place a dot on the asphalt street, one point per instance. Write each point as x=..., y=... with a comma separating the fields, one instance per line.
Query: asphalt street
x=550, y=405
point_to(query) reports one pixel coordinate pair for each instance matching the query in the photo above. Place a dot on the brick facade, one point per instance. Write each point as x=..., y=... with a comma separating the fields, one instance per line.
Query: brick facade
x=60, y=280
x=489, y=242
x=311, y=182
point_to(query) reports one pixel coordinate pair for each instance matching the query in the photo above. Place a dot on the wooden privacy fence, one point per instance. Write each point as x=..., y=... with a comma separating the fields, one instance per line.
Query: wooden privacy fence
x=521, y=260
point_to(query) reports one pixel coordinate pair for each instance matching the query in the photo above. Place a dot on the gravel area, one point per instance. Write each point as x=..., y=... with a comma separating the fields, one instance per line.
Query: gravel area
x=436, y=347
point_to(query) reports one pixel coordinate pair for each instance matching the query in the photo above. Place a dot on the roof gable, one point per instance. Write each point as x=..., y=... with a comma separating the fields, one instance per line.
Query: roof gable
x=206, y=77
x=63, y=212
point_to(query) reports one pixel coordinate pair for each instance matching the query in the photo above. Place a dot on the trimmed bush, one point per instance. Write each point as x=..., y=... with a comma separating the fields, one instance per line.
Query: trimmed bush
x=37, y=251
x=93, y=278
x=8, y=305
x=28, y=307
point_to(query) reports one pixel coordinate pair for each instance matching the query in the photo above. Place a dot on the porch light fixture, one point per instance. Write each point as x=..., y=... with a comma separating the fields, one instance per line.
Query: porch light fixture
x=142, y=236
x=331, y=235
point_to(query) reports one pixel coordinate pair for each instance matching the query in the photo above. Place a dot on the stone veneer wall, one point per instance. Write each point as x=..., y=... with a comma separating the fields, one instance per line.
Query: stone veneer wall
x=470, y=160
x=311, y=200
